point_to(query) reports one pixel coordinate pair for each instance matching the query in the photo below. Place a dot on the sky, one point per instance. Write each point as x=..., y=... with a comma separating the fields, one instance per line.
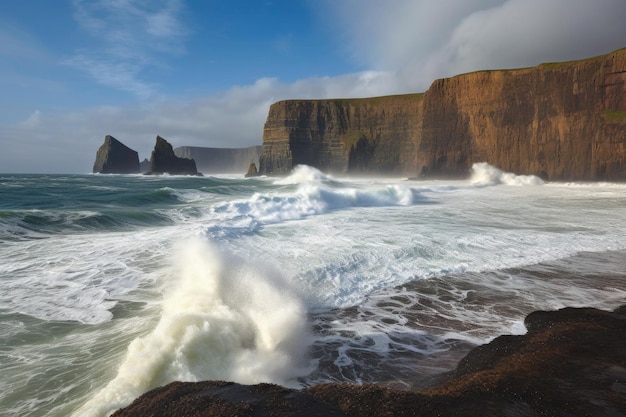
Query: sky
x=204, y=72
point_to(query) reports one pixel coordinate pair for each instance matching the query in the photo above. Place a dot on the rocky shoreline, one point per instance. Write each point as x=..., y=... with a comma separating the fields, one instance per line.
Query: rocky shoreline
x=571, y=362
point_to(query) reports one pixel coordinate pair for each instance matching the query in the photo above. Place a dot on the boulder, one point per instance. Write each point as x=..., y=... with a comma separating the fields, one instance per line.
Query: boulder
x=164, y=161
x=113, y=157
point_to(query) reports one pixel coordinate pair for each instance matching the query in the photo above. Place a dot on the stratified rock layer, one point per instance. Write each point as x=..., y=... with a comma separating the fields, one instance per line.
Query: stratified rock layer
x=113, y=157
x=164, y=161
x=561, y=121
x=572, y=362
x=220, y=160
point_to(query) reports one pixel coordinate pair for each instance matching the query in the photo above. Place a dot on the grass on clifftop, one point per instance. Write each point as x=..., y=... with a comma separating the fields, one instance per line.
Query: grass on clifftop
x=615, y=116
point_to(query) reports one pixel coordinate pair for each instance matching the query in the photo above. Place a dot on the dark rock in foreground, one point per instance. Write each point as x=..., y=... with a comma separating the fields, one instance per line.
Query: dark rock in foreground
x=572, y=362
x=164, y=161
x=113, y=157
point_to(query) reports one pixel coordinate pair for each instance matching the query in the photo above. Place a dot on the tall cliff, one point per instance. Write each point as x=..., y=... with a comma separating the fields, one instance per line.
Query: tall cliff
x=562, y=121
x=221, y=160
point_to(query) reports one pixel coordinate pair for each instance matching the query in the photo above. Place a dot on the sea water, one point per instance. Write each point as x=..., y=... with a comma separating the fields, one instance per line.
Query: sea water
x=111, y=285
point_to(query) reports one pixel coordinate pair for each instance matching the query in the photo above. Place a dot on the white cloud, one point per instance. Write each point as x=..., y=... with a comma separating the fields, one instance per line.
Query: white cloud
x=132, y=35
x=233, y=118
x=406, y=44
x=423, y=40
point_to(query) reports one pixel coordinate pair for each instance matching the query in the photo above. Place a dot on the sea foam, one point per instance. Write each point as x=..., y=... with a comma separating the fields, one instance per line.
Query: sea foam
x=485, y=174
x=315, y=194
x=237, y=324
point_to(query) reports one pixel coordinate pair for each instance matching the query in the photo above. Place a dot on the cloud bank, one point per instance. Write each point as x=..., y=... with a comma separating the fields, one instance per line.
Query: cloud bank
x=402, y=46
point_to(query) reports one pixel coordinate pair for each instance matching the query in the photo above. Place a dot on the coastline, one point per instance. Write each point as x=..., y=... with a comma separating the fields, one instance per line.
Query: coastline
x=571, y=362
x=498, y=378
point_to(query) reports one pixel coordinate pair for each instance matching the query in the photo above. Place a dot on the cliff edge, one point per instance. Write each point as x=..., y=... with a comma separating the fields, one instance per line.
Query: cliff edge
x=560, y=121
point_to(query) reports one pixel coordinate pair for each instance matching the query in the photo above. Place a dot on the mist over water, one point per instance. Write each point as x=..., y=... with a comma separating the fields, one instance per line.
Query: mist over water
x=113, y=285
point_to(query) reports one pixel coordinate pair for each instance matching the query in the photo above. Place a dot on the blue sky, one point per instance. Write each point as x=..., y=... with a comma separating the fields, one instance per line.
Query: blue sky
x=204, y=73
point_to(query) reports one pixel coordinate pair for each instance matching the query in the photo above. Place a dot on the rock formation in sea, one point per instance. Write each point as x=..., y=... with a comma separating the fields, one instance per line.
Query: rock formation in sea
x=571, y=362
x=252, y=170
x=113, y=157
x=220, y=160
x=164, y=161
x=560, y=121
x=144, y=166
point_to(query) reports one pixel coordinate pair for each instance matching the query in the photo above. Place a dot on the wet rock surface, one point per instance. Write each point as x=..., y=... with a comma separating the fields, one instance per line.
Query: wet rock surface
x=571, y=362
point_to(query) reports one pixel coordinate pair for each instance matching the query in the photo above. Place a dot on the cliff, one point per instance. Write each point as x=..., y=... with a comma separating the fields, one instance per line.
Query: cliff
x=561, y=121
x=221, y=160
x=113, y=157
x=163, y=160
x=572, y=362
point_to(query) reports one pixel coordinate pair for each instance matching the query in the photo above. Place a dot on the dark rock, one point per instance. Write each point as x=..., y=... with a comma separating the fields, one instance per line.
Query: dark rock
x=113, y=157
x=220, y=160
x=252, y=171
x=562, y=121
x=226, y=399
x=572, y=362
x=164, y=161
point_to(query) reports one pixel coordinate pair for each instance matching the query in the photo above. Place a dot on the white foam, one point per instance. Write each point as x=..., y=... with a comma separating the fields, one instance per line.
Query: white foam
x=233, y=324
x=310, y=199
x=303, y=174
x=485, y=174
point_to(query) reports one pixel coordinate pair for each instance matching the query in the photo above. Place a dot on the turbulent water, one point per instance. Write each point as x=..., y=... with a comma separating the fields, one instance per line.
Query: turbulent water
x=111, y=285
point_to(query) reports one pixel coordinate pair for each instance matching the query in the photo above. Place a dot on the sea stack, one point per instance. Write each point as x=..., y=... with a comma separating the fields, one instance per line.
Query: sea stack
x=113, y=157
x=252, y=171
x=164, y=161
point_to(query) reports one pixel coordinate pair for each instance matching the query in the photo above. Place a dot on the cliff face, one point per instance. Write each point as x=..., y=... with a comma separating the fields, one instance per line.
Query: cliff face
x=563, y=121
x=358, y=135
x=113, y=157
x=221, y=160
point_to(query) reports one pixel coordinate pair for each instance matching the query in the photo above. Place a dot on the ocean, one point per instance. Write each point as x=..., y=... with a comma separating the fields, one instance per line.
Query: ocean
x=111, y=285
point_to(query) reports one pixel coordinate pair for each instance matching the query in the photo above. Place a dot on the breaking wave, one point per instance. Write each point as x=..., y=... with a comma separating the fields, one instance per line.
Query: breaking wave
x=218, y=323
x=485, y=174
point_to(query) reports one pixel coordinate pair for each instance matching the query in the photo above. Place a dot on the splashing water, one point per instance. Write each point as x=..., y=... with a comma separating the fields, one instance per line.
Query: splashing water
x=238, y=325
x=485, y=174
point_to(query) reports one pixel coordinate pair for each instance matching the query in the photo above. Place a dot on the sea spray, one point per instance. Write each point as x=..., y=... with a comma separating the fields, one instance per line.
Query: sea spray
x=219, y=322
x=485, y=174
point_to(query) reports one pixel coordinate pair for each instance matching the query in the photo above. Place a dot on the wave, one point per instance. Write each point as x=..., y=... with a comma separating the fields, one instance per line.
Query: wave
x=237, y=324
x=37, y=224
x=303, y=174
x=311, y=197
x=485, y=174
